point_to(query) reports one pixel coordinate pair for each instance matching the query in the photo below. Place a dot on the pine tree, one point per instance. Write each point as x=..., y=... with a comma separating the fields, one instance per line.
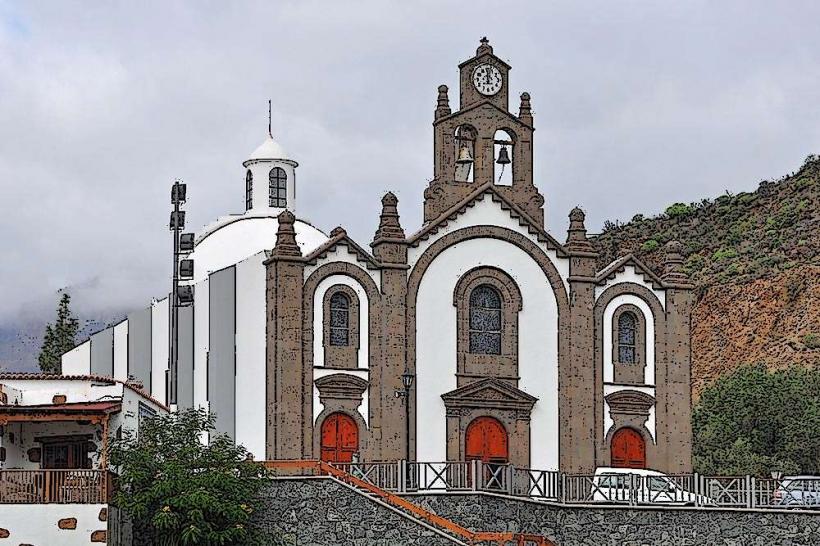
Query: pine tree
x=58, y=338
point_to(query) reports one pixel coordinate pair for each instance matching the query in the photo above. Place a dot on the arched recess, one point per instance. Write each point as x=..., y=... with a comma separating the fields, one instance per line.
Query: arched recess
x=542, y=262
x=628, y=344
x=340, y=327
x=373, y=305
x=658, y=319
x=505, y=364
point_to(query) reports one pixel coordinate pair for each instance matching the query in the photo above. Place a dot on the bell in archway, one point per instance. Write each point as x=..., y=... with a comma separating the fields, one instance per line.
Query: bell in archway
x=503, y=156
x=464, y=156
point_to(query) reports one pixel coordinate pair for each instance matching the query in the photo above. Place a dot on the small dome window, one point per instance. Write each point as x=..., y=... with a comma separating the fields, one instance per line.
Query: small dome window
x=248, y=190
x=278, y=187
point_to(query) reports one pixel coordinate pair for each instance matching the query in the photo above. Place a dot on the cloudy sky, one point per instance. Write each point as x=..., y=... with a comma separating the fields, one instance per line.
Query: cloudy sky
x=102, y=104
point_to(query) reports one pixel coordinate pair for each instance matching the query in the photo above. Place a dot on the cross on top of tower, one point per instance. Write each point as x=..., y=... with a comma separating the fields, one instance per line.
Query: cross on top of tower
x=485, y=46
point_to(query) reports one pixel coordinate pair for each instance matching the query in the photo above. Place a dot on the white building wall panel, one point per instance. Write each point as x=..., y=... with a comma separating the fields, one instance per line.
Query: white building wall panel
x=201, y=343
x=436, y=344
x=250, y=355
x=159, y=348
x=77, y=361
x=121, y=351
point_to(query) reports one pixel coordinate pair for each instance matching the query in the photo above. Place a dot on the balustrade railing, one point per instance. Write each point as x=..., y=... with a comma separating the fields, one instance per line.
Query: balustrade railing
x=609, y=487
x=54, y=486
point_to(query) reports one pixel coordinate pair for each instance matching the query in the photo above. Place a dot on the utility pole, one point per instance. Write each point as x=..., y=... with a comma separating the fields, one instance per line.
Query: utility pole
x=183, y=244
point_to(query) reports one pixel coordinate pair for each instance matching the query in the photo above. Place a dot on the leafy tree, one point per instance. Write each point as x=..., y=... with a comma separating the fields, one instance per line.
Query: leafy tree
x=181, y=492
x=756, y=421
x=59, y=338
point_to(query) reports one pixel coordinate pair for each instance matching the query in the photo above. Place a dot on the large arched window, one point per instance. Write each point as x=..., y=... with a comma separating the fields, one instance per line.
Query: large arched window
x=278, y=187
x=339, y=319
x=627, y=338
x=248, y=190
x=485, y=320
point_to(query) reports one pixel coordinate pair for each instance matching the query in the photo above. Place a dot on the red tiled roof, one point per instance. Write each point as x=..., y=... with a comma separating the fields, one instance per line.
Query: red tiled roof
x=21, y=376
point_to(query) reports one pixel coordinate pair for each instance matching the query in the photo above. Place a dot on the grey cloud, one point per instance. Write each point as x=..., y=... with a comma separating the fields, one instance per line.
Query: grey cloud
x=637, y=105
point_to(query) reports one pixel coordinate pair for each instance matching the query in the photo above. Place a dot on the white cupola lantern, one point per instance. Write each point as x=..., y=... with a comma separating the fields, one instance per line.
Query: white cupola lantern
x=270, y=179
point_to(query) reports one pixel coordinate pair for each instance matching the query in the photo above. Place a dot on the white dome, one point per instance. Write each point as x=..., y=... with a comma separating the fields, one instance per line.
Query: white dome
x=270, y=149
x=234, y=238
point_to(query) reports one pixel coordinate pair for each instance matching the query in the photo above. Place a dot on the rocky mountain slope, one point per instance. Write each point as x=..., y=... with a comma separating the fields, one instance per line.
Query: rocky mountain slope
x=755, y=259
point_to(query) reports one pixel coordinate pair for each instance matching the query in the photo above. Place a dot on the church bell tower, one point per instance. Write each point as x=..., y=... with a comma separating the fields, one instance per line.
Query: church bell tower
x=482, y=143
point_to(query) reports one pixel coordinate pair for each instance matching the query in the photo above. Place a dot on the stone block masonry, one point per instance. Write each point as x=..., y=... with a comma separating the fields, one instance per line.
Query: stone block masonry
x=324, y=512
x=621, y=526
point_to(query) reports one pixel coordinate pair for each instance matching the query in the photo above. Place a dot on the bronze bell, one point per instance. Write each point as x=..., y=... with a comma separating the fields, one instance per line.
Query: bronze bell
x=464, y=156
x=503, y=156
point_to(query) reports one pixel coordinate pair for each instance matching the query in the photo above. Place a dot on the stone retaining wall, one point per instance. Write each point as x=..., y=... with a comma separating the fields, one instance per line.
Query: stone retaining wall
x=324, y=512
x=623, y=526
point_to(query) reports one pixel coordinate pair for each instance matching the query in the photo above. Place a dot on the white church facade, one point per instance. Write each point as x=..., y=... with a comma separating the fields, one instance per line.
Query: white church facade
x=520, y=349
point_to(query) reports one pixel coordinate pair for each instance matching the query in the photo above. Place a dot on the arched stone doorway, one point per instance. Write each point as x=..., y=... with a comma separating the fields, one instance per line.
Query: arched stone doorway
x=486, y=440
x=340, y=438
x=628, y=449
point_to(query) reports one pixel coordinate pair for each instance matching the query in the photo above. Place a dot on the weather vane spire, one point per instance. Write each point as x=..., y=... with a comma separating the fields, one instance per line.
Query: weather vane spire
x=270, y=134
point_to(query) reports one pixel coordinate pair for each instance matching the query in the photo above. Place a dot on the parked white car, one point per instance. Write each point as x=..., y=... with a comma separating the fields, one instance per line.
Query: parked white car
x=798, y=492
x=638, y=486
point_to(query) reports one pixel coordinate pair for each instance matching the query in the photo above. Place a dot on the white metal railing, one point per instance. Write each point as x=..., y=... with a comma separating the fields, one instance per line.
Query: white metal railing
x=621, y=488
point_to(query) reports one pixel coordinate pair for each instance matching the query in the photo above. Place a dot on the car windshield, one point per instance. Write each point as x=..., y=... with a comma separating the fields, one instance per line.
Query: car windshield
x=659, y=484
x=613, y=480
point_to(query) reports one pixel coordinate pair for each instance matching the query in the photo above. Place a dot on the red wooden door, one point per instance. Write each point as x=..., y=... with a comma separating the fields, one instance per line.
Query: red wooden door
x=486, y=440
x=628, y=449
x=340, y=438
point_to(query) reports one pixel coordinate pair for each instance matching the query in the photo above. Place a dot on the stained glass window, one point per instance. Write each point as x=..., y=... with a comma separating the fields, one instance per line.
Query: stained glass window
x=339, y=319
x=485, y=320
x=248, y=190
x=627, y=328
x=278, y=187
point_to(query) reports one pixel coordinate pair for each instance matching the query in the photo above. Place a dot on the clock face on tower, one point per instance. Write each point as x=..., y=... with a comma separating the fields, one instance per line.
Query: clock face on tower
x=487, y=79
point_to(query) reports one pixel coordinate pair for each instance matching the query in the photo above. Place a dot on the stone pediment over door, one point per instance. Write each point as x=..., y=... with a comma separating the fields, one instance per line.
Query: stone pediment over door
x=489, y=393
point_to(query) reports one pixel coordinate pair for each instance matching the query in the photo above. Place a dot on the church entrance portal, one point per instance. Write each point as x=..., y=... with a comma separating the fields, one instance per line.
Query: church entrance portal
x=340, y=438
x=628, y=449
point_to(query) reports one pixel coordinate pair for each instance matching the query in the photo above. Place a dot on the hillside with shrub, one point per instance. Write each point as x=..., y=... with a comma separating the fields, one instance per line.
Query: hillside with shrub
x=755, y=259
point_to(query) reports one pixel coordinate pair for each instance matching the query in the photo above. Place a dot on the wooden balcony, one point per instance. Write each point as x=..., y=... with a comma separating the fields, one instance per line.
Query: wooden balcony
x=55, y=486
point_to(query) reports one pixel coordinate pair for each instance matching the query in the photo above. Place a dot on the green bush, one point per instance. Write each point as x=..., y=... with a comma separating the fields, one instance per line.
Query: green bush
x=812, y=341
x=650, y=245
x=724, y=254
x=754, y=421
x=678, y=210
x=182, y=492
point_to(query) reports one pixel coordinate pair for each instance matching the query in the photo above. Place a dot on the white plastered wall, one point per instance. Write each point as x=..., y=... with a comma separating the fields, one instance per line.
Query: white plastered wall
x=609, y=311
x=37, y=523
x=649, y=350
x=342, y=254
x=608, y=421
x=487, y=212
x=436, y=344
x=364, y=339
x=629, y=274
x=250, y=355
